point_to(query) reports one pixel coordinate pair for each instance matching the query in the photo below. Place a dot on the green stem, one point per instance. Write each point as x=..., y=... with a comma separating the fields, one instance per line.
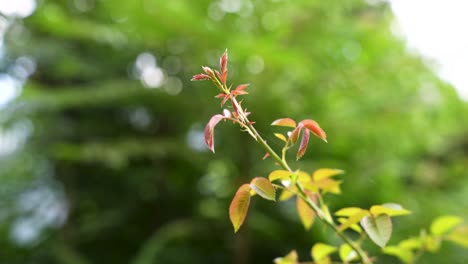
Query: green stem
x=282, y=162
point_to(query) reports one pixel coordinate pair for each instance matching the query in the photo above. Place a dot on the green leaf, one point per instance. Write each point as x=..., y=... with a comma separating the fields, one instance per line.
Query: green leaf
x=325, y=173
x=286, y=122
x=347, y=253
x=279, y=174
x=403, y=254
x=379, y=228
x=444, y=224
x=291, y=258
x=239, y=206
x=353, y=219
x=306, y=214
x=390, y=209
x=459, y=236
x=320, y=251
x=264, y=188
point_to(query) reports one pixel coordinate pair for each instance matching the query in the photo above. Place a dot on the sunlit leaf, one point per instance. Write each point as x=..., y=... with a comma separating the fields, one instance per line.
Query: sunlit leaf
x=291, y=258
x=390, y=209
x=281, y=136
x=378, y=228
x=325, y=173
x=239, y=206
x=431, y=243
x=444, y=224
x=354, y=227
x=306, y=214
x=348, y=211
x=314, y=127
x=411, y=243
x=459, y=236
x=286, y=194
x=353, y=219
x=279, y=174
x=329, y=185
x=209, y=131
x=286, y=122
x=347, y=253
x=320, y=251
x=326, y=212
x=403, y=254
x=303, y=145
x=263, y=187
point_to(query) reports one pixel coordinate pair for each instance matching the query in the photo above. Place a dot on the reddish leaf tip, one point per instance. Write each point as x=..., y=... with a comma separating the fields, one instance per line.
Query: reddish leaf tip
x=314, y=127
x=209, y=131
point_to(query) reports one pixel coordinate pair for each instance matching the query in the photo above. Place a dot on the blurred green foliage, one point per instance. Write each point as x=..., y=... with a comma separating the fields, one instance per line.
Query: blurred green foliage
x=108, y=164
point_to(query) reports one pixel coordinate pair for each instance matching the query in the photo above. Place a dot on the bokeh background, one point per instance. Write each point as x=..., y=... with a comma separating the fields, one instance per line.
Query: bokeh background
x=102, y=157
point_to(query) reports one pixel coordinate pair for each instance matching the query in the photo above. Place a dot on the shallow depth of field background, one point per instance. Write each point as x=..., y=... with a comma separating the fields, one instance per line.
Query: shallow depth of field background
x=102, y=158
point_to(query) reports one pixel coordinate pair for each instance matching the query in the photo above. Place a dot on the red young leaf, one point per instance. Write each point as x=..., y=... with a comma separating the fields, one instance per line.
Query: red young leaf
x=266, y=156
x=223, y=66
x=220, y=95
x=240, y=89
x=314, y=128
x=295, y=134
x=227, y=113
x=208, y=71
x=239, y=206
x=287, y=122
x=200, y=77
x=223, y=62
x=219, y=74
x=209, y=131
x=304, y=143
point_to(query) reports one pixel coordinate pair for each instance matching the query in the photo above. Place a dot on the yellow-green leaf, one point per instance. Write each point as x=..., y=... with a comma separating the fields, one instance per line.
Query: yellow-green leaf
x=403, y=254
x=354, y=227
x=353, y=219
x=286, y=122
x=329, y=185
x=379, y=228
x=281, y=136
x=347, y=253
x=239, y=206
x=263, y=187
x=459, y=236
x=279, y=174
x=325, y=173
x=291, y=258
x=306, y=214
x=286, y=195
x=390, y=209
x=348, y=211
x=431, y=243
x=320, y=251
x=444, y=224
x=411, y=243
